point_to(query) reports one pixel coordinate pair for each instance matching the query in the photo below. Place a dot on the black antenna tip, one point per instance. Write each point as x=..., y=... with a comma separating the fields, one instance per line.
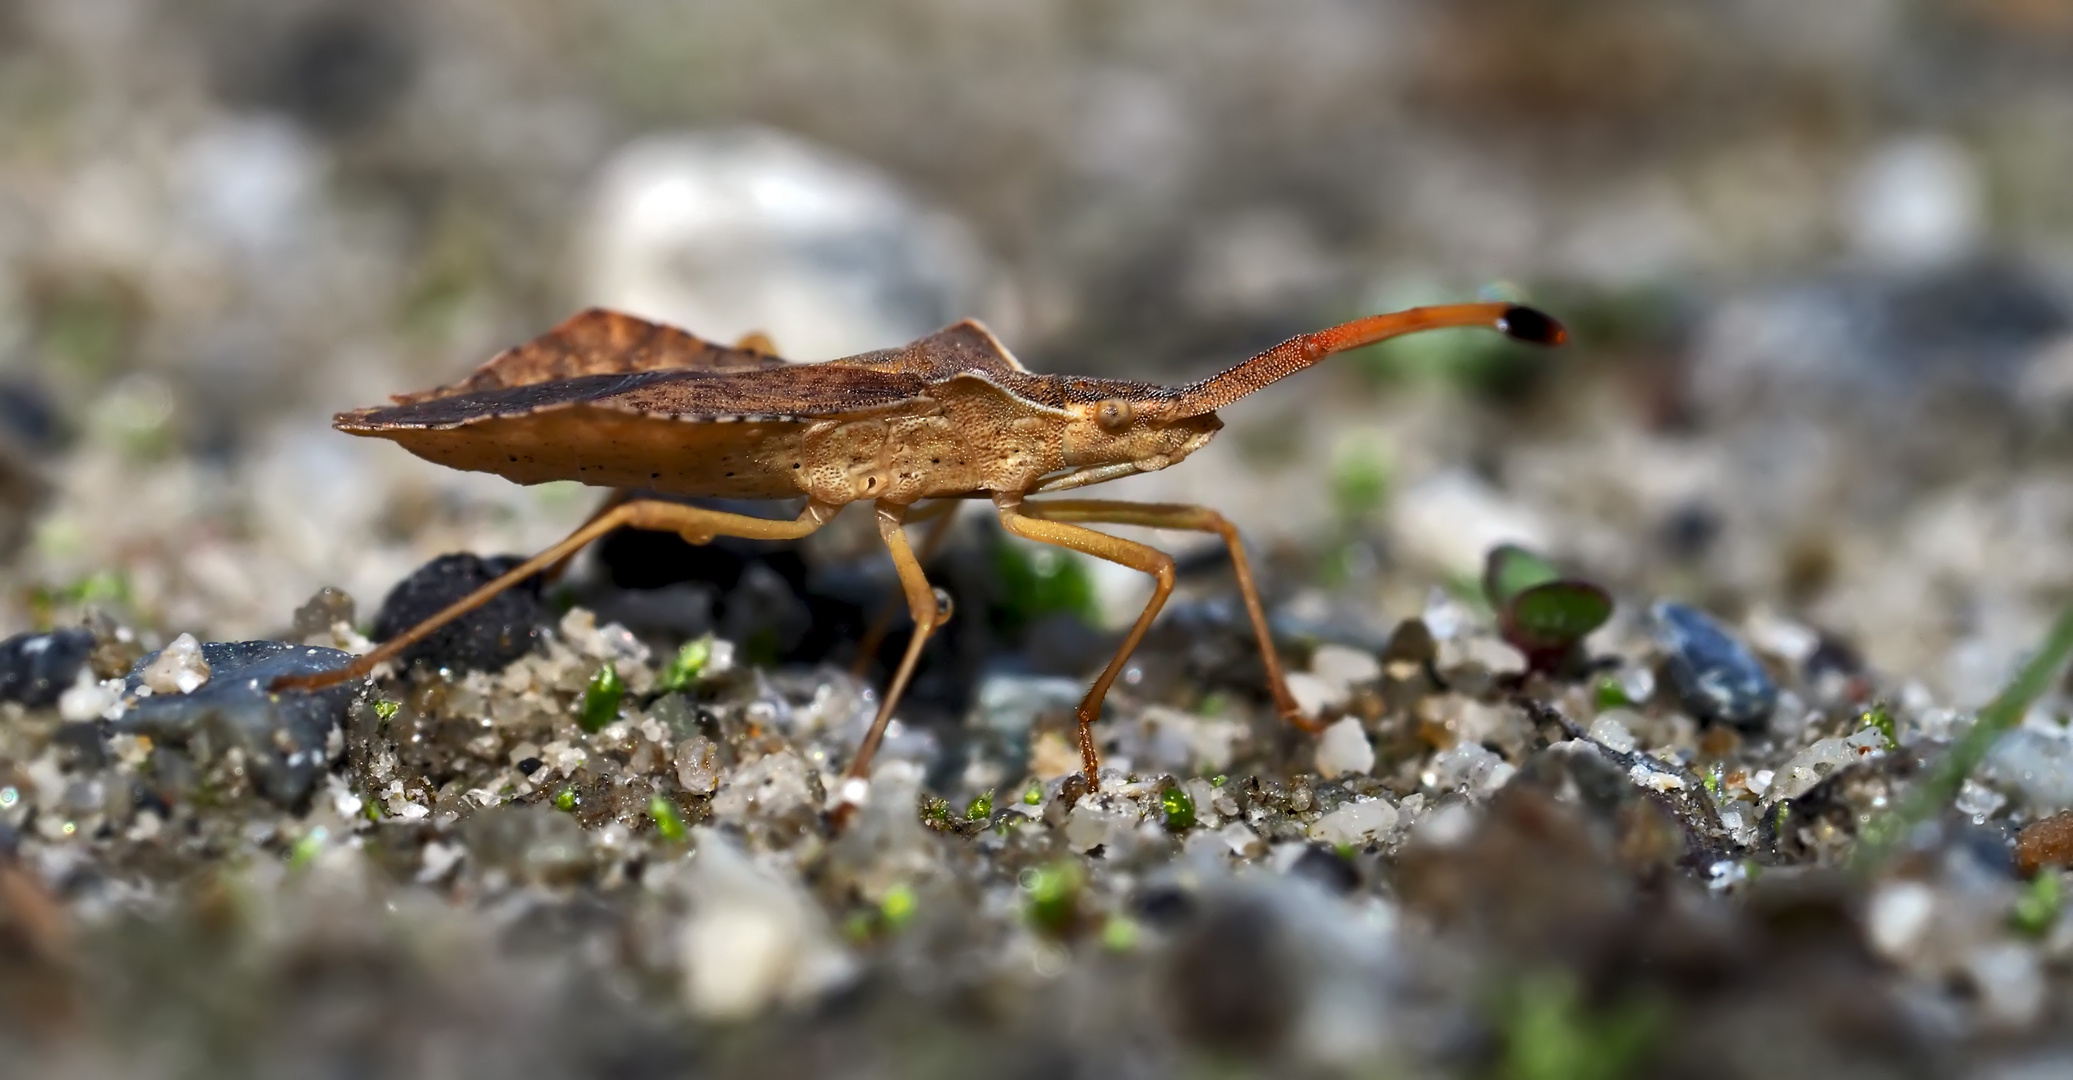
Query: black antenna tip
x=1527, y=324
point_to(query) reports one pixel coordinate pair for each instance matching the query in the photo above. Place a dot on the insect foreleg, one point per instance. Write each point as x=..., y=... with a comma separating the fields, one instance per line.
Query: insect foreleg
x=1022, y=522
x=1191, y=519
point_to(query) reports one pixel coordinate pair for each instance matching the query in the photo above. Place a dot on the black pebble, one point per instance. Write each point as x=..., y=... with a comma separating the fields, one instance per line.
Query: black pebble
x=485, y=639
x=529, y=766
x=1165, y=905
x=1324, y=866
x=1231, y=980
x=36, y=668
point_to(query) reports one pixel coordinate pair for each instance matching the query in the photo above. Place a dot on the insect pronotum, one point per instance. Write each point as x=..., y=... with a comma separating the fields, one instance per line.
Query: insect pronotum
x=612, y=400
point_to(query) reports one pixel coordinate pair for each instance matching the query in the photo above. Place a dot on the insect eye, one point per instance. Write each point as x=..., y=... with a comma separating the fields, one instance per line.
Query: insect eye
x=1114, y=415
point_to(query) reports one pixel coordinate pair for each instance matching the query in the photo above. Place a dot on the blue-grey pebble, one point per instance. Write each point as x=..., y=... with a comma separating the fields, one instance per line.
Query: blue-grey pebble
x=284, y=736
x=1717, y=677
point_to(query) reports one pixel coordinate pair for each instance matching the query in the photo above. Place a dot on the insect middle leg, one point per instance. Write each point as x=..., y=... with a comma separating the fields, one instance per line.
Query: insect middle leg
x=944, y=513
x=930, y=609
x=1191, y=519
x=1024, y=521
x=695, y=524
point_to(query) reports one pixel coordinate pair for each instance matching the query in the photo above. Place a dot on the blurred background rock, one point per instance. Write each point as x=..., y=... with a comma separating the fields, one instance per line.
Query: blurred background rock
x=1817, y=254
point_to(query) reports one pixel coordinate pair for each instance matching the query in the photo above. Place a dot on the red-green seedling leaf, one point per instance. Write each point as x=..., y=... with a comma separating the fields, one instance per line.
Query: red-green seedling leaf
x=1548, y=620
x=1510, y=570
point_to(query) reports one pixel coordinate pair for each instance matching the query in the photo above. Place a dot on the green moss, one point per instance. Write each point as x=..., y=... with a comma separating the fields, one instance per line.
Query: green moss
x=565, y=799
x=936, y=813
x=307, y=847
x=663, y=813
x=1037, y=580
x=1611, y=695
x=1550, y=1033
x=897, y=908
x=1940, y=785
x=1034, y=796
x=601, y=699
x=1179, y=807
x=385, y=711
x=981, y=808
x=1053, y=894
x=102, y=588
x=1880, y=717
x=2037, y=909
x=1119, y=934
x=688, y=665
x=1360, y=484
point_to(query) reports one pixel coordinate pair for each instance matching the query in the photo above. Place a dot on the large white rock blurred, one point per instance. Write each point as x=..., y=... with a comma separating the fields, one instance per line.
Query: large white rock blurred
x=1916, y=201
x=1449, y=521
x=251, y=184
x=729, y=232
x=754, y=939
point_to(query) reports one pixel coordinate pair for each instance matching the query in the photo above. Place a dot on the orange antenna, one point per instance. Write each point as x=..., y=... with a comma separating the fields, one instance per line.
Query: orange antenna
x=1513, y=320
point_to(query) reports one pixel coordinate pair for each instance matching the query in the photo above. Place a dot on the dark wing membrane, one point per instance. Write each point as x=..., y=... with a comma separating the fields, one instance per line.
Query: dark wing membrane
x=599, y=342
x=786, y=392
x=965, y=346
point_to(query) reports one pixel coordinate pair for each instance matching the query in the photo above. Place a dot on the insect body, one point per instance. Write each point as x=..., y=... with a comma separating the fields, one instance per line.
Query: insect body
x=612, y=400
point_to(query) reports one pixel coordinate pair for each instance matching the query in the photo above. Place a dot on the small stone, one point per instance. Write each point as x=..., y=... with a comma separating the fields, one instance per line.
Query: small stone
x=1637, y=683
x=2010, y=982
x=2045, y=843
x=1642, y=776
x=1410, y=645
x=1344, y=749
x=1717, y=677
x=2036, y=764
x=89, y=698
x=1345, y=667
x=315, y=618
x=1469, y=767
x=36, y=668
x=773, y=786
x=698, y=765
x=1608, y=729
x=1446, y=826
x=1315, y=696
x=1357, y=823
x=1979, y=801
x=1241, y=841
x=1808, y=768
x=1898, y=918
x=179, y=668
x=1101, y=821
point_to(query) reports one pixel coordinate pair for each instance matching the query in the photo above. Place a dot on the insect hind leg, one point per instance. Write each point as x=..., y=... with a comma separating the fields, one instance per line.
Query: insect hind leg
x=694, y=523
x=931, y=609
